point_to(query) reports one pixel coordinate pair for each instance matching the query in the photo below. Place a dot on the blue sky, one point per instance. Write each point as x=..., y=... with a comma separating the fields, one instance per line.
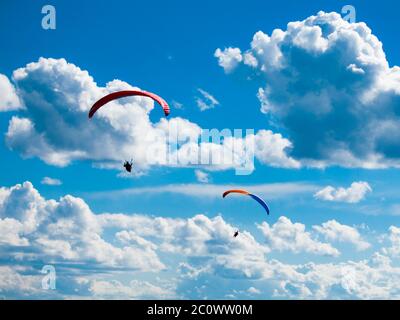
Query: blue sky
x=327, y=89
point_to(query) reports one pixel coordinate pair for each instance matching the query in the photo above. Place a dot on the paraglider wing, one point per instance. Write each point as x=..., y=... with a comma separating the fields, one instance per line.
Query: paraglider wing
x=244, y=192
x=129, y=93
x=260, y=201
x=234, y=191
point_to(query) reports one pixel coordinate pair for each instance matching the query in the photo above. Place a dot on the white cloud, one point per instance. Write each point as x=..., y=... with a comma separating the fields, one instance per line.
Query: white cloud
x=253, y=290
x=177, y=105
x=334, y=231
x=12, y=280
x=9, y=100
x=229, y=58
x=354, y=194
x=394, y=239
x=202, y=176
x=55, y=128
x=11, y=232
x=271, y=148
x=347, y=280
x=135, y=290
x=60, y=96
x=207, y=101
x=198, y=236
x=66, y=229
x=272, y=190
x=51, y=181
x=373, y=278
x=285, y=235
x=328, y=84
x=195, y=257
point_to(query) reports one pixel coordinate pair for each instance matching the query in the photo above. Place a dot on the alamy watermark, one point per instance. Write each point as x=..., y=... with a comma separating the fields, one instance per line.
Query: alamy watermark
x=223, y=149
x=49, y=280
x=350, y=13
x=49, y=21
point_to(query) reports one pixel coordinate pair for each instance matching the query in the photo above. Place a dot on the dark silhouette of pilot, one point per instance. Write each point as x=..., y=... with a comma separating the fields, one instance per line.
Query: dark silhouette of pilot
x=128, y=166
x=236, y=233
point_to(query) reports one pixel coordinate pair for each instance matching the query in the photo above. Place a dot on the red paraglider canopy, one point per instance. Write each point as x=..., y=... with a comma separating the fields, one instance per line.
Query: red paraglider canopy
x=128, y=93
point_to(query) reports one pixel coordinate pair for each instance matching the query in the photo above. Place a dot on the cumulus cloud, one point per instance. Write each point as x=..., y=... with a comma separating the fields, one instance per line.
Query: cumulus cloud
x=9, y=100
x=137, y=256
x=198, y=236
x=329, y=85
x=11, y=233
x=202, y=176
x=16, y=284
x=335, y=231
x=66, y=229
x=366, y=279
x=373, y=278
x=394, y=239
x=271, y=148
x=206, y=101
x=54, y=126
x=51, y=181
x=68, y=232
x=58, y=96
x=285, y=235
x=229, y=58
x=353, y=194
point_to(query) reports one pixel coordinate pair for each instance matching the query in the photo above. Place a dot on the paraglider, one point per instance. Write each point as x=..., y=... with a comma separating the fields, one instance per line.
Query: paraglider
x=244, y=192
x=236, y=233
x=129, y=93
x=128, y=166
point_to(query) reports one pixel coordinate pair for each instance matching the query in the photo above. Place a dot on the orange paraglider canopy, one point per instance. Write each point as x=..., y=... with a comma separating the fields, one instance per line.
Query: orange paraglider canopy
x=234, y=191
x=257, y=198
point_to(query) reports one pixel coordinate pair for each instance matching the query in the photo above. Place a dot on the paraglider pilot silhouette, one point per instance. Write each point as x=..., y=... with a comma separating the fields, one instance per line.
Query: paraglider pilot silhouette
x=236, y=233
x=128, y=165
